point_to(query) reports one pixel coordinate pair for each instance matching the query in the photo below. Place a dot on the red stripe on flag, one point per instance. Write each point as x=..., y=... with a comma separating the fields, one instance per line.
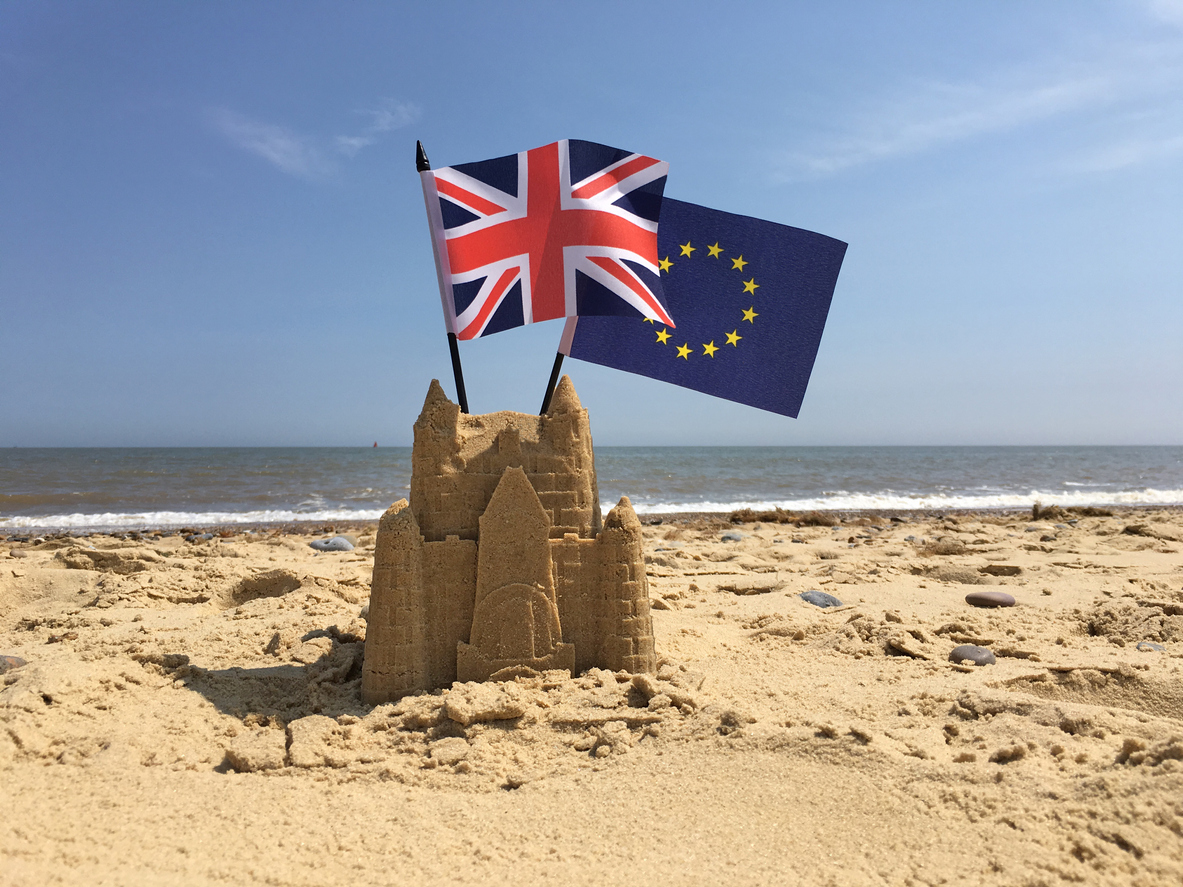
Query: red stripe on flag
x=610, y=178
x=467, y=197
x=613, y=268
x=503, y=283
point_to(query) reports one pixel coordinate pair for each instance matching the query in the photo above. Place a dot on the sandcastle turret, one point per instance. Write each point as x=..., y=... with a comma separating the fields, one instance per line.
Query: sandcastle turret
x=500, y=560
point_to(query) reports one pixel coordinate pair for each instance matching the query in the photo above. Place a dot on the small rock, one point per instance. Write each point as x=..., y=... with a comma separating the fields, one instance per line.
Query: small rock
x=1047, y=537
x=747, y=585
x=820, y=599
x=732, y=537
x=337, y=543
x=1150, y=647
x=975, y=654
x=989, y=599
x=7, y=663
x=1000, y=570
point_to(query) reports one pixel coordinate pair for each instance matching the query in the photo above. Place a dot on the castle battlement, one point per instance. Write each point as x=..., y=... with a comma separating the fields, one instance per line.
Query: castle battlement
x=500, y=561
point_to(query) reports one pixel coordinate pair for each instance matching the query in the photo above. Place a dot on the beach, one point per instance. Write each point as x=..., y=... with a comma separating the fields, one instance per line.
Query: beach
x=189, y=711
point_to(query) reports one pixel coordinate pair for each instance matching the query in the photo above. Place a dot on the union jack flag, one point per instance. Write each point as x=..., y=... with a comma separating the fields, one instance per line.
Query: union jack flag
x=563, y=230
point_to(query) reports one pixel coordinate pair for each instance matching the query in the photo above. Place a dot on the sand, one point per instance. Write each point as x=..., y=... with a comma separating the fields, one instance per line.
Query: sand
x=190, y=713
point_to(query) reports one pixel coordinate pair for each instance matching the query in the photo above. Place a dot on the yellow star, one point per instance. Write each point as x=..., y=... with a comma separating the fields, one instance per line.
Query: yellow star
x=733, y=338
x=648, y=320
x=663, y=336
x=709, y=350
x=737, y=264
x=715, y=250
x=687, y=249
x=666, y=264
x=750, y=286
x=750, y=316
x=685, y=351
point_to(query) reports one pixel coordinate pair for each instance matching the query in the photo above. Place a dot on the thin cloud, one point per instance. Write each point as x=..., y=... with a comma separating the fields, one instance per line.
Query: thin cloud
x=391, y=115
x=1130, y=152
x=942, y=114
x=288, y=151
x=1170, y=11
x=1129, y=81
x=388, y=115
x=350, y=145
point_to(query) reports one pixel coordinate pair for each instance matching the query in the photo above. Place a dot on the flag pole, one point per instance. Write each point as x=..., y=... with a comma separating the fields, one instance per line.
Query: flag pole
x=554, y=380
x=562, y=351
x=422, y=164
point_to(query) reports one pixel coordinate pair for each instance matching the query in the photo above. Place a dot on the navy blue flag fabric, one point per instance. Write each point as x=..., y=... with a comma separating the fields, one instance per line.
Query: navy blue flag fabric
x=749, y=298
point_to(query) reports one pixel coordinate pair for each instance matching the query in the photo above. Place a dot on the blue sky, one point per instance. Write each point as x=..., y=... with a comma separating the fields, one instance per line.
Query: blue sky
x=211, y=231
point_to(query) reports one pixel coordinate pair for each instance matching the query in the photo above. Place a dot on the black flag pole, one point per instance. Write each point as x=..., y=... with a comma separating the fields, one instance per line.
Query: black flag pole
x=554, y=380
x=422, y=164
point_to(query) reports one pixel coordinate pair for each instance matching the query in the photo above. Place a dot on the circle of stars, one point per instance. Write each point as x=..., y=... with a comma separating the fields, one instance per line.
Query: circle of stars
x=733, y=338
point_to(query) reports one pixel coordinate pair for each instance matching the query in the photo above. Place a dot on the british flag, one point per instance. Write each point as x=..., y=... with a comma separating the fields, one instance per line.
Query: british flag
x=563, y=230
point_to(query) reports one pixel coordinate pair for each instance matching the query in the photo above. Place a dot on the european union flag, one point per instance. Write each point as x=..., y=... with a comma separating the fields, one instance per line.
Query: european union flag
x=749, y=298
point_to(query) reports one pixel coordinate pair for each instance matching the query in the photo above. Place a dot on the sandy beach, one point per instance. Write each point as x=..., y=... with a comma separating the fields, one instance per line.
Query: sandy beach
x=189, y=712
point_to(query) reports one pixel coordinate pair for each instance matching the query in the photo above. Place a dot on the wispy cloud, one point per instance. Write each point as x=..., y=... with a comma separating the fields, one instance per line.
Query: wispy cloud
x=309, y=157
x=295, y=154
x=1108, y=86
x=1170, y=11
x=938, y=114
x=390, y=114
x=387, y=115
x=1129, y=152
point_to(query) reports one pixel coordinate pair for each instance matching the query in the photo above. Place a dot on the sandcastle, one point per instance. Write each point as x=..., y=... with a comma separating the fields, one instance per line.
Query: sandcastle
x=500, y=564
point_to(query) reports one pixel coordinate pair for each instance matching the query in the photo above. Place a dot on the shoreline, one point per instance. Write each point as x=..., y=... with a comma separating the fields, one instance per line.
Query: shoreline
x=314, y=527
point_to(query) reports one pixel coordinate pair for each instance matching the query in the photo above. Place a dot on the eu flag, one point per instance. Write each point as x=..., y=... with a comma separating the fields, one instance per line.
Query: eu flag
x=749, y=298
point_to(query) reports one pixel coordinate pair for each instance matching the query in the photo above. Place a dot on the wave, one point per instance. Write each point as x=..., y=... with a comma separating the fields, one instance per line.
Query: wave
x=165, y=519
x=893, y=501
x=837, y=501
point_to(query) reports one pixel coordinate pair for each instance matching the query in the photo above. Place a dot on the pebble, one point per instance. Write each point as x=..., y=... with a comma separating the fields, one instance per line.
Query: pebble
x=7, y=663
x=1150, y=647
x=337, y=543
x=820, y=599
x=732, y=537
x=975, y=654
x=989, y=599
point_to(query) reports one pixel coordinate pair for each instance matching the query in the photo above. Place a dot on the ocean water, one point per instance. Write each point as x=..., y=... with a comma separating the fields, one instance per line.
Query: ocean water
x=105, y=489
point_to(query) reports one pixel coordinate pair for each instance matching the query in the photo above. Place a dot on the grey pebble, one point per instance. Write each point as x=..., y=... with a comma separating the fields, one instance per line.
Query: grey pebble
x=1150, y=647
x=337, y=543
x=732, y=537
x=820, y=599
x=975, y=654
x=989, y=599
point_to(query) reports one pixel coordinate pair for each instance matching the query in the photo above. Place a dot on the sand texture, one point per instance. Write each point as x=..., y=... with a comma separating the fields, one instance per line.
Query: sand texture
x=191, y=713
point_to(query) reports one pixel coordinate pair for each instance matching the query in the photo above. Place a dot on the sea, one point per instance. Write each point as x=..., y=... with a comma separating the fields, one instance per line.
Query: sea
x=113, y=489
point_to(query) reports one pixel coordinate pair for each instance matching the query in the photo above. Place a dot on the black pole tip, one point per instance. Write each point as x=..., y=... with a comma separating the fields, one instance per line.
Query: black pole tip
x=422, y=164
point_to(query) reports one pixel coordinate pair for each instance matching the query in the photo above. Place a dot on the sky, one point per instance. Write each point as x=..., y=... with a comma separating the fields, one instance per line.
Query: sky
x=212, y=232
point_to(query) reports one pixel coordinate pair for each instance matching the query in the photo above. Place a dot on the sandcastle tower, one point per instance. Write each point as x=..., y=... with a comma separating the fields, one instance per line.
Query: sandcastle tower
x=500, y=561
